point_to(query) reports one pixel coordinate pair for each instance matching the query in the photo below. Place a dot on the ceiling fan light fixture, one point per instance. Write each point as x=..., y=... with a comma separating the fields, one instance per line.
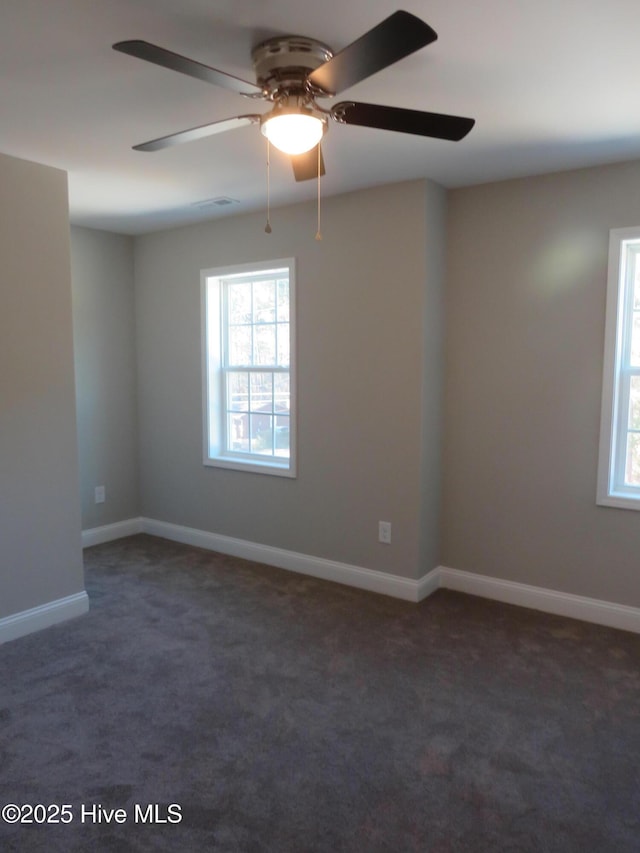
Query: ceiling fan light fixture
x=293, y=130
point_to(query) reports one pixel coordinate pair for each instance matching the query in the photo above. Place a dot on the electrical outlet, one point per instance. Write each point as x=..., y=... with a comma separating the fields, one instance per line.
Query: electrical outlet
x=384, y=532
x=100, y=495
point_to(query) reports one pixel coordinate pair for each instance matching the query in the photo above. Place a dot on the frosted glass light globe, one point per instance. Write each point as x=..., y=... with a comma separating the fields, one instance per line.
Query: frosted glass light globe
x=293, y=133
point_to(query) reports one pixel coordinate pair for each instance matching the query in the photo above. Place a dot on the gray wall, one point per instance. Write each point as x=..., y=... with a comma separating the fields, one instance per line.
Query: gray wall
x=40, y=552
x=104, y=346
x=361, y=303
x=527, y=270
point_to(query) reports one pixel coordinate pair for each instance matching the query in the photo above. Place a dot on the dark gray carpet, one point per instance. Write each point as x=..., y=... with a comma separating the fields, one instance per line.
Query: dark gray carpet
x=288, y=714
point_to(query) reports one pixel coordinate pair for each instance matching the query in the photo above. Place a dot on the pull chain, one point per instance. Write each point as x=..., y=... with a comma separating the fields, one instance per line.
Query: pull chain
x=319, y=232
x=267, y=227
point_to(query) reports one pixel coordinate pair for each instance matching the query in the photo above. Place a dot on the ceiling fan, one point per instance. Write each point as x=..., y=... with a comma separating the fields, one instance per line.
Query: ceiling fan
x=293, y=72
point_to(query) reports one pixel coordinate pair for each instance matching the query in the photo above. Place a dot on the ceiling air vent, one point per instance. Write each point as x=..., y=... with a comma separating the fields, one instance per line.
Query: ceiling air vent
x=219, y=201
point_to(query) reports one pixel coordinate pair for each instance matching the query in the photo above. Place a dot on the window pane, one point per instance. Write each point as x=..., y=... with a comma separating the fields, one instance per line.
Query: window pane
x=238, y=392
x=635, y=340
x=619, y=459
x=248, y=393
x=282, y=435
x=283, y=300
x=239, y=302
x=283, y=345
x=238, y=432
x=281, y=392
x=262, y=434
x=261, y=392
x=264, y=344
x=264, y=302
x=632, y=467
x=240, y=345
x=634, y=403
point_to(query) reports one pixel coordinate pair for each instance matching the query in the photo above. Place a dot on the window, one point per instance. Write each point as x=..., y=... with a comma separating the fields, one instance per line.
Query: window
x=248, y=367
x=619, y=467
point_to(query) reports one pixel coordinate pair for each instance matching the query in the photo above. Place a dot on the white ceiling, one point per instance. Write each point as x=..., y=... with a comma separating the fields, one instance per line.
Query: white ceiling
x=552, y=84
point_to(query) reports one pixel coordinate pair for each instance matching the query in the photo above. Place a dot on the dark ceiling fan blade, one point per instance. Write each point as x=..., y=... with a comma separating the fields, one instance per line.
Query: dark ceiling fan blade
x=197, y=133
x=305, y=166
x=394, y=38
x=436, y=125
x=168, y=59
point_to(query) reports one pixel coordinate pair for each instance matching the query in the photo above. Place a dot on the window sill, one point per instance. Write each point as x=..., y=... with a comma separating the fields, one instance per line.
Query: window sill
x=619, y=501
x=252, y=466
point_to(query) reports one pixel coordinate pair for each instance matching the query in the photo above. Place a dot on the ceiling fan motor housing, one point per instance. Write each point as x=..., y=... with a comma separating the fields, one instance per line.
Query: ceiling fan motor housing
x=283, y=63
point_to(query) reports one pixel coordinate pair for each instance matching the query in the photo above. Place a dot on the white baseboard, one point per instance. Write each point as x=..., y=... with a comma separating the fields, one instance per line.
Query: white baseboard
x=109, y=532
x=428, y=584
x=43, y=616
x=537, y=598
x=317, y=567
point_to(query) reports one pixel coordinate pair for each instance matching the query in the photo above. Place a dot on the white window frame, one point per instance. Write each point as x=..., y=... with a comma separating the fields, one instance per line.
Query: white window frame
x=215, y=453
x=612, y=490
